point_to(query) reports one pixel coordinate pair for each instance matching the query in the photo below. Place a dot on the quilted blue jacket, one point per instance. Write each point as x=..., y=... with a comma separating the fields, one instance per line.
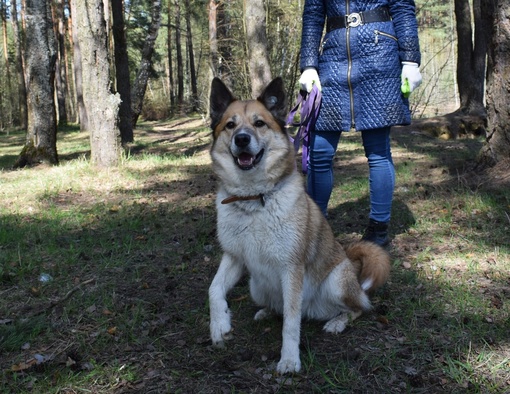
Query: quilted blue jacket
x=360, y=67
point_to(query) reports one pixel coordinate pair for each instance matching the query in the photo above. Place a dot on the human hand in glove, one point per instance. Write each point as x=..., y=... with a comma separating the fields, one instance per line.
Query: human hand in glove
x=308, y=78
x=411, y=77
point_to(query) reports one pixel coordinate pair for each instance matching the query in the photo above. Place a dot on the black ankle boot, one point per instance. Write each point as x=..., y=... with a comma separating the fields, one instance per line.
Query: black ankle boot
x=376, y=232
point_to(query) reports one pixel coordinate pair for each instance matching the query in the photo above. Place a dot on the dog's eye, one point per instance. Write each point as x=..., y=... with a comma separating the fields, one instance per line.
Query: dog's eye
x=230, y=125
x=259, y=123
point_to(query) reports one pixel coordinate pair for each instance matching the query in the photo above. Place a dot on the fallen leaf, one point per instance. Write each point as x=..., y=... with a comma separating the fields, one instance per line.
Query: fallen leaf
x=70, y=362
x=411, y=371
x=23, y=365
x=496, y=302
x=87, y=366
x=91, y=309
x=35, y=291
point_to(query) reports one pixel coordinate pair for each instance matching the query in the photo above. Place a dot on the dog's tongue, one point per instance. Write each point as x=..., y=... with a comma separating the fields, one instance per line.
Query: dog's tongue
x=245, y=159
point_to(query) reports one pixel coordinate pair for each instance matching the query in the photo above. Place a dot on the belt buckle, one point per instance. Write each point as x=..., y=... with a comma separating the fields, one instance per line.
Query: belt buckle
x=354, y=19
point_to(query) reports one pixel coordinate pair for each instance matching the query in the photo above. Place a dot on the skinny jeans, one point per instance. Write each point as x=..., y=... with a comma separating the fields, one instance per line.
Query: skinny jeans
x=376, y=143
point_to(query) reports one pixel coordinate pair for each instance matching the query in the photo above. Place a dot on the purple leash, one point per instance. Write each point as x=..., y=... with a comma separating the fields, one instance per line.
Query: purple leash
x=310, y=105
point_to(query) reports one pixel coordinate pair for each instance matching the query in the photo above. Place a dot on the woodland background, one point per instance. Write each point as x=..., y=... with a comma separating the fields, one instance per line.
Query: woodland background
x=182, y=61
x=155, y=59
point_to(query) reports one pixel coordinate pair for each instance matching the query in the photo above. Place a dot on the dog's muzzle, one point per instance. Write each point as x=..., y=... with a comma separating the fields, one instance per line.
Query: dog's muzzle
x=242, y=151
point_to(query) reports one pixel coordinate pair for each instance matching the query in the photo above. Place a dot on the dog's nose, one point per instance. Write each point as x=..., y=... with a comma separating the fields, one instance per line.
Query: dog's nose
x=242, y=140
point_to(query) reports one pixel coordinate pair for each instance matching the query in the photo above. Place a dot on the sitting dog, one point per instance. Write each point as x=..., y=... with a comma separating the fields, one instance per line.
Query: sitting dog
x=269, y=227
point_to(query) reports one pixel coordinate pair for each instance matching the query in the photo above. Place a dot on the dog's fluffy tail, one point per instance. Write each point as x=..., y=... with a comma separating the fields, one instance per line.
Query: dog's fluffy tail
x=372, y=263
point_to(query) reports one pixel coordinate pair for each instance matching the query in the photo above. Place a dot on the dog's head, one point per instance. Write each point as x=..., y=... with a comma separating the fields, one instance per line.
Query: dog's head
x=251, y=130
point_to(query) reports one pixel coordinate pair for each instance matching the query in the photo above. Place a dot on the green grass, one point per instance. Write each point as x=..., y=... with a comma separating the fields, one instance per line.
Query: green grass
x=131, y=252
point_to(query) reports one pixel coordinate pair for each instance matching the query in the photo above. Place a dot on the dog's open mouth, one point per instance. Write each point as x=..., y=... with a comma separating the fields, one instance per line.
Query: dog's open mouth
x=246, y=161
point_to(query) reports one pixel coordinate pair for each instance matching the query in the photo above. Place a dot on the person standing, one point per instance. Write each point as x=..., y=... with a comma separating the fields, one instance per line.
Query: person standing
x=366, y=65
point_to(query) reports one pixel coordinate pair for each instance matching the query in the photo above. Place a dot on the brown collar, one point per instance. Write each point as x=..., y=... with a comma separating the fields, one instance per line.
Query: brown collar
x=230, y=199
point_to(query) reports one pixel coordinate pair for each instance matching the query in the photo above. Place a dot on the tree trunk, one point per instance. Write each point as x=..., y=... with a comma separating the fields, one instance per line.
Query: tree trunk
x=101, y=105
x=225, y=37
x=471, y=56
x=22, y=90
x=192, y=70
x=256, y=41
x=8, y=112
x=169, y=50
x=142, y=77
x=213, y=38
x=178, y=51
x=497, y=147
x=78, y=74
x=60, y=67
x=122, y=72
x=41, y=55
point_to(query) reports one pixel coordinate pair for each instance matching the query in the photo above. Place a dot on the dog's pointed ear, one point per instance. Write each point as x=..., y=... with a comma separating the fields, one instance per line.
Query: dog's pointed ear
x=274, y=99
x=221, y=98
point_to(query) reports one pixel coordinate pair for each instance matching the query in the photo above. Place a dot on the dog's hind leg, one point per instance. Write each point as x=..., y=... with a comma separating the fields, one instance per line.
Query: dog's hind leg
x=229, y=273
x=339, y=323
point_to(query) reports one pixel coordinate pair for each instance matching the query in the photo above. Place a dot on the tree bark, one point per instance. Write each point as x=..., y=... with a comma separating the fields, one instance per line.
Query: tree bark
x=41, y=55
x=142, y=77
x=191, y=56
x=471, y=56
x=169, y=50
x=178, y=51
x=122, y=72
x=213, y=38
x=497, y=147
x=22, y=89
x=60, y=67
x=101, y=105
x=8, y=90
x=225, y=36
x=256, y=41
x=78, y=74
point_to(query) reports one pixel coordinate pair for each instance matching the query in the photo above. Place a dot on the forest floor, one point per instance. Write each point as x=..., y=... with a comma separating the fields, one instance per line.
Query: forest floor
x=104, y=276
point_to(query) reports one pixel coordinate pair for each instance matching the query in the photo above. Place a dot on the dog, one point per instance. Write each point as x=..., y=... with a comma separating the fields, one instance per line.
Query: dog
x=269, y=227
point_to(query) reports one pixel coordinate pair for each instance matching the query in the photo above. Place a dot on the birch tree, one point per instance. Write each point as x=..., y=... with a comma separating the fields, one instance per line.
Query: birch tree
x=40, y=58
x=102, y=106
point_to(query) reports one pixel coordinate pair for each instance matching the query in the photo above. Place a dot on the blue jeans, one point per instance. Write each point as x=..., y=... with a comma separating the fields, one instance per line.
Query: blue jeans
x=381, y=178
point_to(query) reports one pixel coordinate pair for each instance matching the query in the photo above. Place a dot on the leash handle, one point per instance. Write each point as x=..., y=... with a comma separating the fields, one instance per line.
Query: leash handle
x=310, y=107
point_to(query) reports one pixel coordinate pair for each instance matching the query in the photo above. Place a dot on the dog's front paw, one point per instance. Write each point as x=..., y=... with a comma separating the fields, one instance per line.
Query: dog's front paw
x=221, y=330
x=220, y=343
x=288, y=366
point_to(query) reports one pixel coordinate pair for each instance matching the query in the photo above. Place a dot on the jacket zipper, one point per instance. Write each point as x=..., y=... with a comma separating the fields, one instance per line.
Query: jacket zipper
x=349, y=67
x=321, y=49
x=381, y=33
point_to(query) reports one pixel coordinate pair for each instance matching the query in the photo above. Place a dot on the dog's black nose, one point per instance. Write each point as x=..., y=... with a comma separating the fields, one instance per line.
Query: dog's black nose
x=242, y=140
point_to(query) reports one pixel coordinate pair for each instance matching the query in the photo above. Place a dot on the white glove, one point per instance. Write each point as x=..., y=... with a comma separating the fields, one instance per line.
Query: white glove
x=411, y=77
x=308, y=78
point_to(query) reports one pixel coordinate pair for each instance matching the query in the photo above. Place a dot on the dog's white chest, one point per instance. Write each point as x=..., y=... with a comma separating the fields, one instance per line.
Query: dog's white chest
x=258, y=238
